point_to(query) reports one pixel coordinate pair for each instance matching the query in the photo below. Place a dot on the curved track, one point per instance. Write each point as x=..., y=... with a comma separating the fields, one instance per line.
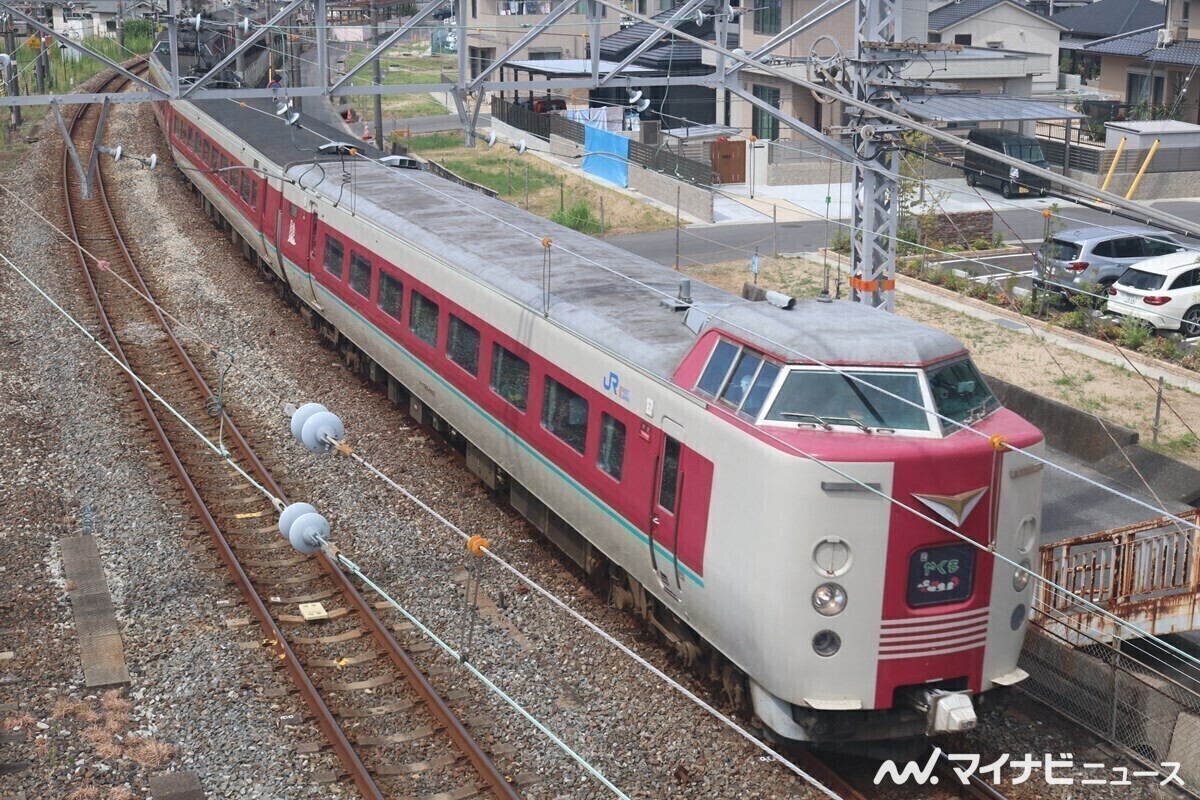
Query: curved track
x=391, y=731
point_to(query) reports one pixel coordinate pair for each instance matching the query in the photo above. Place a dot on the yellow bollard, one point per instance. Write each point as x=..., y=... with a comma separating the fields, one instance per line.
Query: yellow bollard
x=1142, y=171
x=1112, y=167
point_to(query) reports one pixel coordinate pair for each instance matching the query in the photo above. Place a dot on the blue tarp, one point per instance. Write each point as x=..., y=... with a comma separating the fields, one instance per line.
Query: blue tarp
x=607, y=156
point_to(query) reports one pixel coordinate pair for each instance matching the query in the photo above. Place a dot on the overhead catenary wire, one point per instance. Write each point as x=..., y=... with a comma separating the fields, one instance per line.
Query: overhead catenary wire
x=278, y=504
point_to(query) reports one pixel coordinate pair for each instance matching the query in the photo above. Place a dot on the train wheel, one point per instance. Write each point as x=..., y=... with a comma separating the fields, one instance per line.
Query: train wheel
x=737, y=689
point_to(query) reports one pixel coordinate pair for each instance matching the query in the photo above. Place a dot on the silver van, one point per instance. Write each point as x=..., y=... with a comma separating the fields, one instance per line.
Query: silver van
x=1073, y=260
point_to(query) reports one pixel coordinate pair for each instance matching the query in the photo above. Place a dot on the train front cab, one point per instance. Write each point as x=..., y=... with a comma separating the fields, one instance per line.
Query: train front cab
x=878, y=623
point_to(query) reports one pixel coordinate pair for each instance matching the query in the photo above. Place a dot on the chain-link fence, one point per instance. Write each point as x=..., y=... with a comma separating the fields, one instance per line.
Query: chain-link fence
x=1116, y=696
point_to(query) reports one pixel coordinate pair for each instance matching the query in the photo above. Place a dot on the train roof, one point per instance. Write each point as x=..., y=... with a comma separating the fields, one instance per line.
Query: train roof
x=597, y=290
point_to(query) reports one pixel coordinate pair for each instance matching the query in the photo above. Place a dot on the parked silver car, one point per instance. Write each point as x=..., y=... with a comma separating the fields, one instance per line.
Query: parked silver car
x=1072, y=261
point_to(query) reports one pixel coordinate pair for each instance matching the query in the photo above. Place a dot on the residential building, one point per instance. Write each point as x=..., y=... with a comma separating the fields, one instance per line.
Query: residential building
x=89, y=18
x=493, y=26
x=1151, y=70
x=1101, y=20
x=1000, y=25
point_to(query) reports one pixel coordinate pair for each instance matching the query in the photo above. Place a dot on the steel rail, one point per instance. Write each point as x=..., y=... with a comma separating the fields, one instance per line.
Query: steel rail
x=400, y=660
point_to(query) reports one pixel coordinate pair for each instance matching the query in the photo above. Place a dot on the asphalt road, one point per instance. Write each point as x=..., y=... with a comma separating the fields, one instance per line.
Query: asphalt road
x=711, y=243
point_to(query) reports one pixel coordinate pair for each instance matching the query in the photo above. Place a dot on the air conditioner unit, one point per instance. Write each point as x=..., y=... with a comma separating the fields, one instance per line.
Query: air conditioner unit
x=1164, y=38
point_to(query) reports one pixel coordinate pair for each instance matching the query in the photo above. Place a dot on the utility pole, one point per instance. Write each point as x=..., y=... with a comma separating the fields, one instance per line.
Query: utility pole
x=876, y=209
x=121, y=23
x=11, y=79
x=293, y=50
x=377, y=75
x=39, y=64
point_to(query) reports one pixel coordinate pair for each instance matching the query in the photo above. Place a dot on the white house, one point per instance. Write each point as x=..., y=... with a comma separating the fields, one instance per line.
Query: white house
x=1000, y=25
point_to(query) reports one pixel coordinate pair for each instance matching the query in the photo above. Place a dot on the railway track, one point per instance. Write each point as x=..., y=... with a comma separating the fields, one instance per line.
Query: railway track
x=392, y=733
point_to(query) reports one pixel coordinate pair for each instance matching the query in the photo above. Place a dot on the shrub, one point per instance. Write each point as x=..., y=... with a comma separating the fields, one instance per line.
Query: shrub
x=1076, y=320
x=979, y=290
x=982, y=243
x=577, y=217
x=1092, y=295
x=1133, y=333
x=953, y=248
x=998, y=240
x=906, y=241
x=840, y=243
x=1161, y=347
x=956, y=283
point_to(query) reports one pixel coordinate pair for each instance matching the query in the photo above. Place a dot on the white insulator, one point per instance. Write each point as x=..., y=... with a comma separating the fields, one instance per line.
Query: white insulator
x=319, y=429
x=153, y=160
x=309, y=532
x=301, y=415
x=292, y=513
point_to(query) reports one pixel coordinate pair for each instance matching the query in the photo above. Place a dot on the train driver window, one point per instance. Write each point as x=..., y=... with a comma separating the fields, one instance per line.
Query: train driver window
x=510, y=377
x=743, y=376
x=391, y=295
x=760, y=389
x=334, y=254
x=565, y=414
x=718, y=367
x=612, y=446
x=463, y=346
x=423, y=318
x=360, y=273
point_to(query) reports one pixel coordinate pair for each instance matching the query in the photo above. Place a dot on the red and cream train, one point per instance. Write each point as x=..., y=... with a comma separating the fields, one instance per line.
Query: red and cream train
x=752, y=505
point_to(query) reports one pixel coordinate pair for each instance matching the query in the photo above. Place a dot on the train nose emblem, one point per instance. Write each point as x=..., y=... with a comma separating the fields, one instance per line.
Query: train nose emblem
x=954, y=508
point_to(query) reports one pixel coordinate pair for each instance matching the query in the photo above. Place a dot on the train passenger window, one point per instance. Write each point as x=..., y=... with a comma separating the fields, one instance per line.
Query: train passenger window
x=743, y=376
x=718, y=367
x=510, y=377
x=565, y=414
x=423, y=318
x=245, y=191
x=225, y=166
x=205, y=152
x=391, y=295
x=823, y=397
x=293, y=210
x=463, y=346
x=669, y=481
x=759, y=390
x=254, y=194
x=334, y=254
x=360, y=273
x=612, y=446
x=191, y=138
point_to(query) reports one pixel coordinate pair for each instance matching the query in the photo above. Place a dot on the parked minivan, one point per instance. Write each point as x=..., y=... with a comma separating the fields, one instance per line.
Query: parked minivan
x=1011, y=181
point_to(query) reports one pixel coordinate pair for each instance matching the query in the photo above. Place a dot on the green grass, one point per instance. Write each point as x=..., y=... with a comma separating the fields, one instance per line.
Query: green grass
x=498, y=173
x=427, y=142
x=403, y=67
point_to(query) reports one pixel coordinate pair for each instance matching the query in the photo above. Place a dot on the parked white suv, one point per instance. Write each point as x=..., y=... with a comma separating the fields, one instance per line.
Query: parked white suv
x=1163, y=291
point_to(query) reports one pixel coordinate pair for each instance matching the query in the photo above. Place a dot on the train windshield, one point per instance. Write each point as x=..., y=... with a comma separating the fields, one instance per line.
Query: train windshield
x=960, y=393
x=851, y=398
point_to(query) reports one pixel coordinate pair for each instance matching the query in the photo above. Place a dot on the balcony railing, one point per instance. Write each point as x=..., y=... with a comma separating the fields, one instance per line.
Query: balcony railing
x=523, y=7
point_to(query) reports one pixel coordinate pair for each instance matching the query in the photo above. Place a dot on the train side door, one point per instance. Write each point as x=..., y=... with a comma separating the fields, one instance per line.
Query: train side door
x=666, y=508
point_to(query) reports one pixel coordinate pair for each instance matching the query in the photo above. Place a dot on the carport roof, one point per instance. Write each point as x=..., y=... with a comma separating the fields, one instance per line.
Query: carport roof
x=983, y=108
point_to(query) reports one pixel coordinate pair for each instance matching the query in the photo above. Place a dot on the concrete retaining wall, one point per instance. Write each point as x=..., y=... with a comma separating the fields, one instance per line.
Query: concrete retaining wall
x=1065, y=427
x=692, y=199
x=1154, y=185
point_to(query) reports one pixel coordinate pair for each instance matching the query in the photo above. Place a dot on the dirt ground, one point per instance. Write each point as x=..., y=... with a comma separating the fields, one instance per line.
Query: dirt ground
x=1112, y=393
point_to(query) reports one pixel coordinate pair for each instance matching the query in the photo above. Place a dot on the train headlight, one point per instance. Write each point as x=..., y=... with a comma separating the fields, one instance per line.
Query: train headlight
x=1021, y=576
x=826, y=643
x=829, y=599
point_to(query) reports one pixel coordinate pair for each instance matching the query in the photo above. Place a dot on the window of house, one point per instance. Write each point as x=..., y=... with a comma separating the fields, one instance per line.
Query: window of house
x=334, y=255
x=510, y=377
x=423, y=318
x=463, y=345
x=963, y=38
x=935, y=37
x=994, y=44
x=763, y=125
x=565, y=414
x=391, y=295
x=544, y=53
x=360, y=274
x=768, y=16
x=612, y=446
